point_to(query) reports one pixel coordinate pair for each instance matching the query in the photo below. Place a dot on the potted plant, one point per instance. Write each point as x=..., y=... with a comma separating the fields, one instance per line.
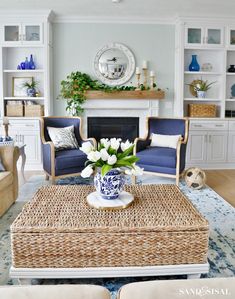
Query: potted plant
x=31, y=88
x=110, y=161
x=200, y=87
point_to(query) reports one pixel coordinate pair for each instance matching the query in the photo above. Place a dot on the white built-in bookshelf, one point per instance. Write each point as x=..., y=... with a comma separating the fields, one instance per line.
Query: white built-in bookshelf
x=28, y=34
x=23, y=33
x=213, y=41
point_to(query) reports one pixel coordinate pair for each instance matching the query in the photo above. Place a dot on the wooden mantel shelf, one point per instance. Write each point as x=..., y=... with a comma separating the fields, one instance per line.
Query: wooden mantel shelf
x=126, y=94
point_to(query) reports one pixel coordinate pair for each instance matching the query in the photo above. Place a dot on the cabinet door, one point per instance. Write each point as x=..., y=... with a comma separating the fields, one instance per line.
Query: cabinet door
x=32, y=33
x=196, y=149
x=214, y=37
x=231, y=147
x=32, y=149
x=217, y=146
x=194, y=36
x=231, y=37
x=12, y=34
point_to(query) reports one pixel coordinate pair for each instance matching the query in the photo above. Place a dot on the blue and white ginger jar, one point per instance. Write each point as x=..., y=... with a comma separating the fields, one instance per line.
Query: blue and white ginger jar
x=111, y=185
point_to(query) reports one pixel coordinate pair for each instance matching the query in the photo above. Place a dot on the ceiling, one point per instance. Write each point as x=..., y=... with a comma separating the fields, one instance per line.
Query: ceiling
x=135, y=9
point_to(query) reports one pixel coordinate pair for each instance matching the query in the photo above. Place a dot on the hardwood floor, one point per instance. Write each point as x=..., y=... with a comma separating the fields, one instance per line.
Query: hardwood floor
x=222, y=181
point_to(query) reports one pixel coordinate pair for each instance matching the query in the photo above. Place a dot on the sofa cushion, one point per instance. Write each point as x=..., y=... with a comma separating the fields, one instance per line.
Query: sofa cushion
x=54, y=292
x=212, y=288
x=69, y=159
x=6, y=179
x=158, y=156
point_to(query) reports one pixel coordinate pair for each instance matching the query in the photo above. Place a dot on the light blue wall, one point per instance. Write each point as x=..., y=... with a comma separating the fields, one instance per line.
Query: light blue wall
x=75, y=46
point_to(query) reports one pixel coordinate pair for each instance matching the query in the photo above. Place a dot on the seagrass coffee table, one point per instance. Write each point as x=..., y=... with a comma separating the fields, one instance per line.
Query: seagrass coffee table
x=58, y=235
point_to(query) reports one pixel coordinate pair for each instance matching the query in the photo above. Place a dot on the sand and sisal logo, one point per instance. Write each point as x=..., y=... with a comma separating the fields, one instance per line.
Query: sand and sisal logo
x=203, y=292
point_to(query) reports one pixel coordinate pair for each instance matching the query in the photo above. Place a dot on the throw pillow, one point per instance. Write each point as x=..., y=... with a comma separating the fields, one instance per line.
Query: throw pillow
x=165, y=140
x=63, y=138
x=2, y=168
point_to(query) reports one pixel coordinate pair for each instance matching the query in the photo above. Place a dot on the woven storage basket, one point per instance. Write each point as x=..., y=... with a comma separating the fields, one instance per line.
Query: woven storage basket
x=14, y=110
x=58, y=229
x=202, y=110
x=34, y=110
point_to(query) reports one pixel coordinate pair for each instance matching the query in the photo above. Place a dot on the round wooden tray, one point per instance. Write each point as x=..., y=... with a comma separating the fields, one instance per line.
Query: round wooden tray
x=125, y=199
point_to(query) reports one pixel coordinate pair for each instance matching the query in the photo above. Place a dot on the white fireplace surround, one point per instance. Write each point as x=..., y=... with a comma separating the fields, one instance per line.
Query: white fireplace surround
x=121, y=108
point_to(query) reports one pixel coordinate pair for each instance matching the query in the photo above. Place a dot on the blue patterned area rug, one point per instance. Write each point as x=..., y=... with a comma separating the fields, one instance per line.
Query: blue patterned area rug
x=215, y=209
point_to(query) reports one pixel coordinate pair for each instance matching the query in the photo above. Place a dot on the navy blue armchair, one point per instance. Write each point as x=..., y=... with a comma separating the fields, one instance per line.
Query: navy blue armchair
x=57, y=164
x=163, y=161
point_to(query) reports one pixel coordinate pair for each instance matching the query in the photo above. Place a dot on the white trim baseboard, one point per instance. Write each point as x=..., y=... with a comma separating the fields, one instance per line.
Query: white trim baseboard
x=30, y=273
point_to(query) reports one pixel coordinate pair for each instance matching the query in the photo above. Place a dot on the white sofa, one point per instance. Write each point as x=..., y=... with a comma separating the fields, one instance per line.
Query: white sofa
x=54, y=292
x=210, y=288
x=213, y=288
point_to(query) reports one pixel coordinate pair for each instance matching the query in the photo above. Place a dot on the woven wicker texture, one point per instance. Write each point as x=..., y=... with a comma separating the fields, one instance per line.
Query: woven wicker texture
x=58, y=229
x=202, y=110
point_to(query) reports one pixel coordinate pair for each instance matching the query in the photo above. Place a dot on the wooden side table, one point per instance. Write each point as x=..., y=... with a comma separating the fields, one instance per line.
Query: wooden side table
x=21, y=147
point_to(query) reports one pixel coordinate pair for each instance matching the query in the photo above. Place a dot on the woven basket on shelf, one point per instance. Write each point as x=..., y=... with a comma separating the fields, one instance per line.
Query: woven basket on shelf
x=34, y=110
x=59, y=229
x=14, y=110
x=202, y=110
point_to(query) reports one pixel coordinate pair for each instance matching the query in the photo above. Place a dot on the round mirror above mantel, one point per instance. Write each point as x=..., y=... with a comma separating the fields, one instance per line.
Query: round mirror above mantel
x=114, y=64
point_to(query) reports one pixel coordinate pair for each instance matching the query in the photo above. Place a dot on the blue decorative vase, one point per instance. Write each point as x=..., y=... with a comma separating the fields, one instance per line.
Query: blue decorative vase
x=31, y=63
x=22, y=65
x=194, y=65
x=26, y=63
x=201, y=94
x=111, y=185
x=31, y=92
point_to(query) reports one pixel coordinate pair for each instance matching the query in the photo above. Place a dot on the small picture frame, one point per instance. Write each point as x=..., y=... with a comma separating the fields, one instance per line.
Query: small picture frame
x=18, y=90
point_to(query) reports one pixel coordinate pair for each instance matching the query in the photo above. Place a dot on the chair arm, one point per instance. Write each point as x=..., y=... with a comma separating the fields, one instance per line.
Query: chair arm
x=180, y=155
x=141, y=144
x=48, y=151
x=91, y=140
x=9, y=156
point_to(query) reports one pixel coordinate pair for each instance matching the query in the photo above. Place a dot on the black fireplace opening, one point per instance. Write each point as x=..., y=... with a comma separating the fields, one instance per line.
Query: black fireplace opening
x=113, y=127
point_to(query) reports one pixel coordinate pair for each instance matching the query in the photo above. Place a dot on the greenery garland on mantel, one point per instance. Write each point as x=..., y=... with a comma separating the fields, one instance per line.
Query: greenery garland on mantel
x=74, y=89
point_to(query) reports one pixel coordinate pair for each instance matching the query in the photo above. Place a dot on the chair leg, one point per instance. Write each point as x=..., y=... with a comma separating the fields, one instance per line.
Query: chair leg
x=53, y=180
x=47, y=177
x=133, y=180
x=177, y=180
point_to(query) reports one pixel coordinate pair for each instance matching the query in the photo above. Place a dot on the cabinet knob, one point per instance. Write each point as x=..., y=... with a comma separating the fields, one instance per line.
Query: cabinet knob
x=219, y=126
x=198, y=126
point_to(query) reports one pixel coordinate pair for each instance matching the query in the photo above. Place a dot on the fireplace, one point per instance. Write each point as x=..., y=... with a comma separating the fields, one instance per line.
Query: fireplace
x=113, y=127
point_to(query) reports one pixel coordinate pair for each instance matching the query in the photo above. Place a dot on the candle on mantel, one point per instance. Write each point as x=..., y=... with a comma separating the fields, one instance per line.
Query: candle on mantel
x=5, y=121
x=137, y=70
x=152, y=74
x=145, y=64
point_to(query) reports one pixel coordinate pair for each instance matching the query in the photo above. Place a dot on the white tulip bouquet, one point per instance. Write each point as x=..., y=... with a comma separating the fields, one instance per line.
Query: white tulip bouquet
x=110, y=154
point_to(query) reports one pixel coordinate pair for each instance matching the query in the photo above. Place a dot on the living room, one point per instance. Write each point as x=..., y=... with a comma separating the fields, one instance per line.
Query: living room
x=117, y=149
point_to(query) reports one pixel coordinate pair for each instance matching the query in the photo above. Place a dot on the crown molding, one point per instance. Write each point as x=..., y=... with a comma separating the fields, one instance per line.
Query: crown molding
x=113, y=20
x=26, y=13
x=220, y=19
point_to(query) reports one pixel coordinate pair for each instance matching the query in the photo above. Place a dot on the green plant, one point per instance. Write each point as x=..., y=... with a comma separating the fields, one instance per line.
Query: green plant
x=74, y=88
x=33, y=84
x=201, y=85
